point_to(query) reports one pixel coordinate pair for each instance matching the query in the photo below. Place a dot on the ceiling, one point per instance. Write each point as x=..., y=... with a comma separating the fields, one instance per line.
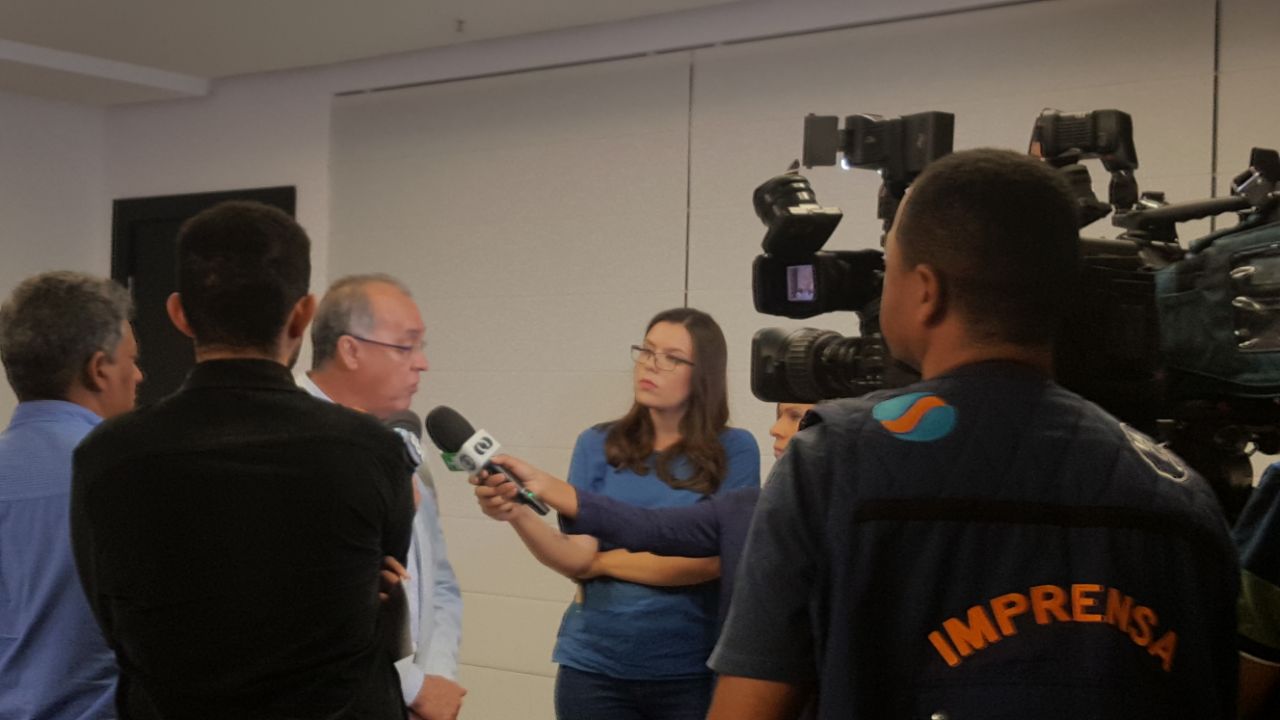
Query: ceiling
x=113, y=51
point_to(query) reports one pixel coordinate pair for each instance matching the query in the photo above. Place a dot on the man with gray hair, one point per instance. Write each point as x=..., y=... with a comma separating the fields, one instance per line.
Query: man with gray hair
x=368, y=350
x=71, y=359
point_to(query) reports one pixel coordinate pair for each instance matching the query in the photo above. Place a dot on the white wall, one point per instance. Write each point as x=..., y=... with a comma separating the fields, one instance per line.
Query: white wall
x=54, y=213
x=256, y=131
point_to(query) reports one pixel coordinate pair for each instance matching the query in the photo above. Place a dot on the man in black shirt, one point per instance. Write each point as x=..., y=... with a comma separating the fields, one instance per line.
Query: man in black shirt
x=230, y=537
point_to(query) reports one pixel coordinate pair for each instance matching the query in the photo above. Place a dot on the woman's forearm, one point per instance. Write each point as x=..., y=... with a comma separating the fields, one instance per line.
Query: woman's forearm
x=569, y=555
x=656, y=570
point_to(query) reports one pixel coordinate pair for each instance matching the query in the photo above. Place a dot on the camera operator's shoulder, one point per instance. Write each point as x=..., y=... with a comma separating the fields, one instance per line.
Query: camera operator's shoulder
x=848, y=413
x=1091, y=420
x=1167, y=482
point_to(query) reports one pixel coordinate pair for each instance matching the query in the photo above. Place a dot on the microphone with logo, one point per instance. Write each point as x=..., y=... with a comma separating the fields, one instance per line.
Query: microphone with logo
x=469, y=450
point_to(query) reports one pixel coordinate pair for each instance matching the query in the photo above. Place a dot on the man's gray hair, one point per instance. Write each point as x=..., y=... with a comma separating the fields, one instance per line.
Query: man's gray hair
x=345, y=310
x=51, y=326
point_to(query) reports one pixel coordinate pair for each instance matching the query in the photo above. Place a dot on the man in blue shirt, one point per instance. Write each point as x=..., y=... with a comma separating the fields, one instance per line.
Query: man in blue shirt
x=368, y=350
x=983, y=543
x=71, y=358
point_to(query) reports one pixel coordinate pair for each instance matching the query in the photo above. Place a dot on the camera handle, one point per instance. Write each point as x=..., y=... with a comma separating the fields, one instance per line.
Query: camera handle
x=1152, y=221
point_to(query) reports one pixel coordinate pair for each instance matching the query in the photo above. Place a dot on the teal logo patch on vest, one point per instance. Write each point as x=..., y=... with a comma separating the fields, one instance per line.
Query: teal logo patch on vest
x=916, y=417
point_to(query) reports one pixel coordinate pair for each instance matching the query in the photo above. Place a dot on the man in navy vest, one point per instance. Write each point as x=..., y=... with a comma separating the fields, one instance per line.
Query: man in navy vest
x=984, y=543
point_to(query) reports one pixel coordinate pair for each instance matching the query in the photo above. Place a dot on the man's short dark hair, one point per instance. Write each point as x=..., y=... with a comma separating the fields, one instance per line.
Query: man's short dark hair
x=242, y=266
x=1001, y=230
x=53, y=324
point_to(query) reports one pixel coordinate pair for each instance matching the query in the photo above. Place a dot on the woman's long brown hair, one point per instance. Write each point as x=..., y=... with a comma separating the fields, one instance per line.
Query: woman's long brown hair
x=629, y=442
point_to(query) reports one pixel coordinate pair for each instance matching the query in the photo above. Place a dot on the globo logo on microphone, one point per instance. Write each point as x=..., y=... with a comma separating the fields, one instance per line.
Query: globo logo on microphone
x=477, y=451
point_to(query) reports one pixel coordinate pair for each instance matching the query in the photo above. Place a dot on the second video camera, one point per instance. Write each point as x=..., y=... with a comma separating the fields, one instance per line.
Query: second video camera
x=795, y=278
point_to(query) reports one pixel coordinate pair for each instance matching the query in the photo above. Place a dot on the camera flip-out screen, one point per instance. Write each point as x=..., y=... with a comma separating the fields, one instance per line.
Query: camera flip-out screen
x=800, y=287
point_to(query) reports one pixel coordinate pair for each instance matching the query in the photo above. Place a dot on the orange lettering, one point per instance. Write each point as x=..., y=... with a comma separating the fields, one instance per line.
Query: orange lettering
x=1046, y=600
x=1005, y=608
x=961, y=637
x=1143, y=618
x=1164, y=649
x=944, y=649
x=1118, y=607
x=1080, y=602
x=973, y=636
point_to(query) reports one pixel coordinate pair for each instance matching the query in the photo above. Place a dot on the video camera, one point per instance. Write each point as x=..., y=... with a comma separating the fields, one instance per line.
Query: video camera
x=1182, y=343
x=795, y=279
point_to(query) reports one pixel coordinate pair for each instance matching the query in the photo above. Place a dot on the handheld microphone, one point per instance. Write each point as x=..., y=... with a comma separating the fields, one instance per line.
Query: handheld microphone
x=466, y=449
x=407, y=425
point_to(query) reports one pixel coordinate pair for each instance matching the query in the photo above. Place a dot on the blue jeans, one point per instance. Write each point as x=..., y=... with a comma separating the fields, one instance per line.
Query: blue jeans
x=590, y=696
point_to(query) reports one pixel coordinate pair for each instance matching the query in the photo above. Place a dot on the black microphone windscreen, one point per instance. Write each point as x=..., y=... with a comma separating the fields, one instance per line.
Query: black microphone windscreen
x=406, y=420
x=447, y=429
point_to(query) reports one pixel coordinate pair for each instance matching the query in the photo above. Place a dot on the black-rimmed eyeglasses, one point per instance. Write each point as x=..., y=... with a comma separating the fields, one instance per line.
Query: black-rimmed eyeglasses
x=420, y=346
x=660, y=360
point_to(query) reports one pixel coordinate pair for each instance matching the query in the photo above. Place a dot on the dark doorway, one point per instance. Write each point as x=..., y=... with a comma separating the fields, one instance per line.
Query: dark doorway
x=143, y=233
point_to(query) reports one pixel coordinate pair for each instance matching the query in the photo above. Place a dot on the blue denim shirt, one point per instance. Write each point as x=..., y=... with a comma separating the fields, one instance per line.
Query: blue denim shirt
x=636, y=632
x=54, y=662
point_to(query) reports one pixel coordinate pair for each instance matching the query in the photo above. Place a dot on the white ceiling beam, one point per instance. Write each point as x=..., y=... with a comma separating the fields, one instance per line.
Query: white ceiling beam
x=731, y=22
x=102, y=69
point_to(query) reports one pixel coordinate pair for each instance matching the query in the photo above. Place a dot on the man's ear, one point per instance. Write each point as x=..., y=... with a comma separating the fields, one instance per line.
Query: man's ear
x=932, y=294
x=347, y=352
x=94, y=375
x=178, y=316
x=300, y=317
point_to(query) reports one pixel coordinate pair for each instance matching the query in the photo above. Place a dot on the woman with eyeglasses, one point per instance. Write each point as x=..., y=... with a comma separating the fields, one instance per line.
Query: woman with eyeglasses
x=637, y=650
x=717, y=527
